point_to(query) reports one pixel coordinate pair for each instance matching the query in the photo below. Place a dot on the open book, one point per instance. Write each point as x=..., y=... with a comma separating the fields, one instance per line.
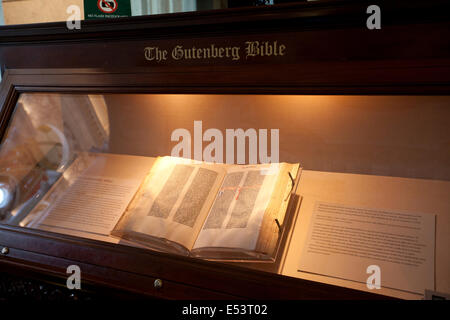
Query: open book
x=213, y=211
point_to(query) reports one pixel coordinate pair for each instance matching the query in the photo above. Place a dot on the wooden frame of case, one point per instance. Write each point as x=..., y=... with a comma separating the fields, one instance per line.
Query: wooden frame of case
x=362, y=63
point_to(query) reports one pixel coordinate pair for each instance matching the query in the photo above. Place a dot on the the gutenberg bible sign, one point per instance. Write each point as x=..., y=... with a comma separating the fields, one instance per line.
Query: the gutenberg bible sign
x=250, y=49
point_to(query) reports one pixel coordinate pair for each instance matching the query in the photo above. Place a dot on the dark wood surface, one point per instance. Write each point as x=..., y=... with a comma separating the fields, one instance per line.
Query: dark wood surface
x=328, y=46
x=133, y=269
x=329, y=51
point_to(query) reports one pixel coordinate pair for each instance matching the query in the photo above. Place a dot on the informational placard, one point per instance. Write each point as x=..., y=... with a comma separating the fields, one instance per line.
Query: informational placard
x=384, y=248
x=101, y=9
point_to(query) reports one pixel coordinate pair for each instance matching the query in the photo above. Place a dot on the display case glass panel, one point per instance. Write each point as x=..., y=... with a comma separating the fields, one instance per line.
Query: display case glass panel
x=78, y=164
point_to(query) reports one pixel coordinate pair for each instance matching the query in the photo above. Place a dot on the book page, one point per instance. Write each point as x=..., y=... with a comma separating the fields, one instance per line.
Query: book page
x=236, y=216
x=94, y=193
x=173, y=201
x=344, y=241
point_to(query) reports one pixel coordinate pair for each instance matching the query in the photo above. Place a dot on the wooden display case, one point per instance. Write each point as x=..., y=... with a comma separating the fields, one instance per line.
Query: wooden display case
x=303, y=66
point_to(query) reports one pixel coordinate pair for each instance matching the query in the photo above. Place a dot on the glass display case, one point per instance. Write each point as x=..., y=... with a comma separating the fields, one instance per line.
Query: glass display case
x=241, y=179
x=66, y=156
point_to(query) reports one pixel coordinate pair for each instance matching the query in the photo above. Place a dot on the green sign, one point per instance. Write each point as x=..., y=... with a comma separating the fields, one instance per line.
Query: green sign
x=101, y=9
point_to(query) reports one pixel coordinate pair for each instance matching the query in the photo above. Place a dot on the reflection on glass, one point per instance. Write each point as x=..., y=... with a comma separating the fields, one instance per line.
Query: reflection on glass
x=44, y=136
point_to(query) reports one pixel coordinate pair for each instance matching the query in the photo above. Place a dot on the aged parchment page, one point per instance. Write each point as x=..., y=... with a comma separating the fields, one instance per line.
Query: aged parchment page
x=173, y=202
x=237, y=214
